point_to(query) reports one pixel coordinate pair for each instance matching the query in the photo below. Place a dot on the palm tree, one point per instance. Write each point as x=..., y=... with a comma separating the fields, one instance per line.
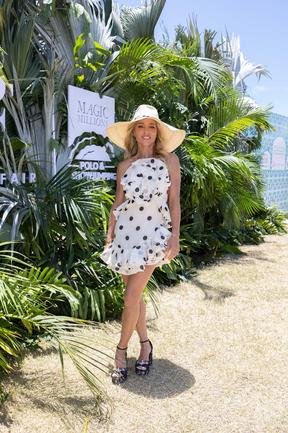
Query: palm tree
x=189, y=41
x=219, y=190
x=105, y=20
x=60, y=220
x=40, y=39
x=140, y=22
x=240, y=67
x=221, y=183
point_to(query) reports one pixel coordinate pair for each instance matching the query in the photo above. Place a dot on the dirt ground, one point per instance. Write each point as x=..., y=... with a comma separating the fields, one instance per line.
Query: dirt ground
x=220, y=361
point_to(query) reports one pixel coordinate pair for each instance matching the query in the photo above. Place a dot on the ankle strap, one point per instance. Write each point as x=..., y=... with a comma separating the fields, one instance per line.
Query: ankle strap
x=122, y=348
x=145, y=341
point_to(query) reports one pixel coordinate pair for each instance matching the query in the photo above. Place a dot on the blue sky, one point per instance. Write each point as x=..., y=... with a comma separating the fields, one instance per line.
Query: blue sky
x=263, y=30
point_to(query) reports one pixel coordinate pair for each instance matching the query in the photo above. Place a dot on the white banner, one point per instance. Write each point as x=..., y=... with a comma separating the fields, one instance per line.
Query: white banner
x=90, y=113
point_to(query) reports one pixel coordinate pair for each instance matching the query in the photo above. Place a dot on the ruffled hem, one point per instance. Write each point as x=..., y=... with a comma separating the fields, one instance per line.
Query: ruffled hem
x=134, y=260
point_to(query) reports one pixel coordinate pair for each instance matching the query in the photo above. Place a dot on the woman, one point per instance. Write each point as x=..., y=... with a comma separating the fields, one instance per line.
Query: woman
x=147, y=204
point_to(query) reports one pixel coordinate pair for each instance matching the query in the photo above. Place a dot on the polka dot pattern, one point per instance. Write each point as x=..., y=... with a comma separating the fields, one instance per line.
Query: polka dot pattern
x=142, y=220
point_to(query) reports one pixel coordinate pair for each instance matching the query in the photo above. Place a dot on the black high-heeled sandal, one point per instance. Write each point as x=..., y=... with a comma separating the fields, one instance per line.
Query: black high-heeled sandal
x=142, y=367
x=120, y=374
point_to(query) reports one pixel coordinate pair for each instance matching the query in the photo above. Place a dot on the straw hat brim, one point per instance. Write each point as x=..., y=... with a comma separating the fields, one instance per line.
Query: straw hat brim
x=171, y=137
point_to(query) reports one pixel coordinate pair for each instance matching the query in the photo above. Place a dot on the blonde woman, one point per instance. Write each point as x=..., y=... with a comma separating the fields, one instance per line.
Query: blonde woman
x=147, y=205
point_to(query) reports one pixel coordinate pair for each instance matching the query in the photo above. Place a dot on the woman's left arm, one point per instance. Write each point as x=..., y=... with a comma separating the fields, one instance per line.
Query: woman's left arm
x=173, y=246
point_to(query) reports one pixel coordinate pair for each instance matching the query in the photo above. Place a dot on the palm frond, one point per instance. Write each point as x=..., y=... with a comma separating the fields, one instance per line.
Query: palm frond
x=69, y=337
x=255, y=118
x=27, y=297
x=140, y=22
x=241, y=68
x=88, y=17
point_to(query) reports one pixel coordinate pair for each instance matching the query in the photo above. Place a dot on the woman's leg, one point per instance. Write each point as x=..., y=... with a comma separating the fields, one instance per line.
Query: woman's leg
x=141, y=328
x=132, y=297
x=141, y=325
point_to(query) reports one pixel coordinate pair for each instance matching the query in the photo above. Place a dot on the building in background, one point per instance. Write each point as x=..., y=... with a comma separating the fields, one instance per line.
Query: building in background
x=274, y=152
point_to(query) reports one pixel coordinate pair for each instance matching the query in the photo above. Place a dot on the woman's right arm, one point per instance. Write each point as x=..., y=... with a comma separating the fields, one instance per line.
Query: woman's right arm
x=119, y=198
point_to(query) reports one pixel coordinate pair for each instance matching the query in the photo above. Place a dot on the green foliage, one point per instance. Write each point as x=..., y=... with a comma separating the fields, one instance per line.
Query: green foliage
x=220, y=240
x=28, y=296
x=269, y=221
x=54, y=217
x=180, y=269
x=89, y=67
x=60, y=221
x=213, y=174
x=101, y=289
x=141, y=21
x=9, y=345
x=272, y=221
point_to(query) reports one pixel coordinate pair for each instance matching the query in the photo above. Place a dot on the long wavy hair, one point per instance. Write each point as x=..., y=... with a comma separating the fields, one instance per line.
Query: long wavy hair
x=131, y=146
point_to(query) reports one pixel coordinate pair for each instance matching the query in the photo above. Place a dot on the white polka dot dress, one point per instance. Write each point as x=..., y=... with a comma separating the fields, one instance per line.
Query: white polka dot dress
x=142, y=220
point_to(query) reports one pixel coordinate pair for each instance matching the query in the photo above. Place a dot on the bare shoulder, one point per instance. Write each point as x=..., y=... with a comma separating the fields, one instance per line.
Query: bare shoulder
x=123, y=166
x=172, y=162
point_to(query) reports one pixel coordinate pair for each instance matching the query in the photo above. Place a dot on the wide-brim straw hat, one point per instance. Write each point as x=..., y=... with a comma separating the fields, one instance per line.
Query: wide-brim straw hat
x=170, y=137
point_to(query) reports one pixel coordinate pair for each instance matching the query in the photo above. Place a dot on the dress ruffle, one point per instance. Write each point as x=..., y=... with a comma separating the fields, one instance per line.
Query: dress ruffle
x=146, y=179
x=134, y=260
x=143, y=182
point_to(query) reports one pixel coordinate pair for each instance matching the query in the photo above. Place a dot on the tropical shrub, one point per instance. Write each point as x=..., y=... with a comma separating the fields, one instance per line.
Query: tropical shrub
x=60, y=220
x=60, y=224
x=268, y=221
x=28, y=296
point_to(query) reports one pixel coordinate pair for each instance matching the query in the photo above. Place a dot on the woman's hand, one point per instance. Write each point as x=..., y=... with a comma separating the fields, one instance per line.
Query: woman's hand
x=173, y=247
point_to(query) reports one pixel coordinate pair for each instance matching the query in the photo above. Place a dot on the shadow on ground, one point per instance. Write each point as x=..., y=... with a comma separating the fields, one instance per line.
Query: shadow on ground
x=57, y=400
x=42, y=349
x=243, y=257
x=5, y=418
x=246, y=258
x=212, y=293
x=165, y=380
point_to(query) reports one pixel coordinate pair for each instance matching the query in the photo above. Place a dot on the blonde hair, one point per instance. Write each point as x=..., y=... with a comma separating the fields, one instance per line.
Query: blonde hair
x=131, y=146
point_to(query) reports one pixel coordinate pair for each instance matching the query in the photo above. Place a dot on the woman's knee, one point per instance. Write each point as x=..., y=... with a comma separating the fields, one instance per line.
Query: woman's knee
x=132, y=297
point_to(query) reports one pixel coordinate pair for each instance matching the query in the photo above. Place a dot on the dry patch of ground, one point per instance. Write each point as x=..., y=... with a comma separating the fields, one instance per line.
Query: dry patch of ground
x=220, y=361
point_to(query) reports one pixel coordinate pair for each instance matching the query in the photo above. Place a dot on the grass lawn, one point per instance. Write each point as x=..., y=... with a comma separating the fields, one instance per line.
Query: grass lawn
x=220, y=364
